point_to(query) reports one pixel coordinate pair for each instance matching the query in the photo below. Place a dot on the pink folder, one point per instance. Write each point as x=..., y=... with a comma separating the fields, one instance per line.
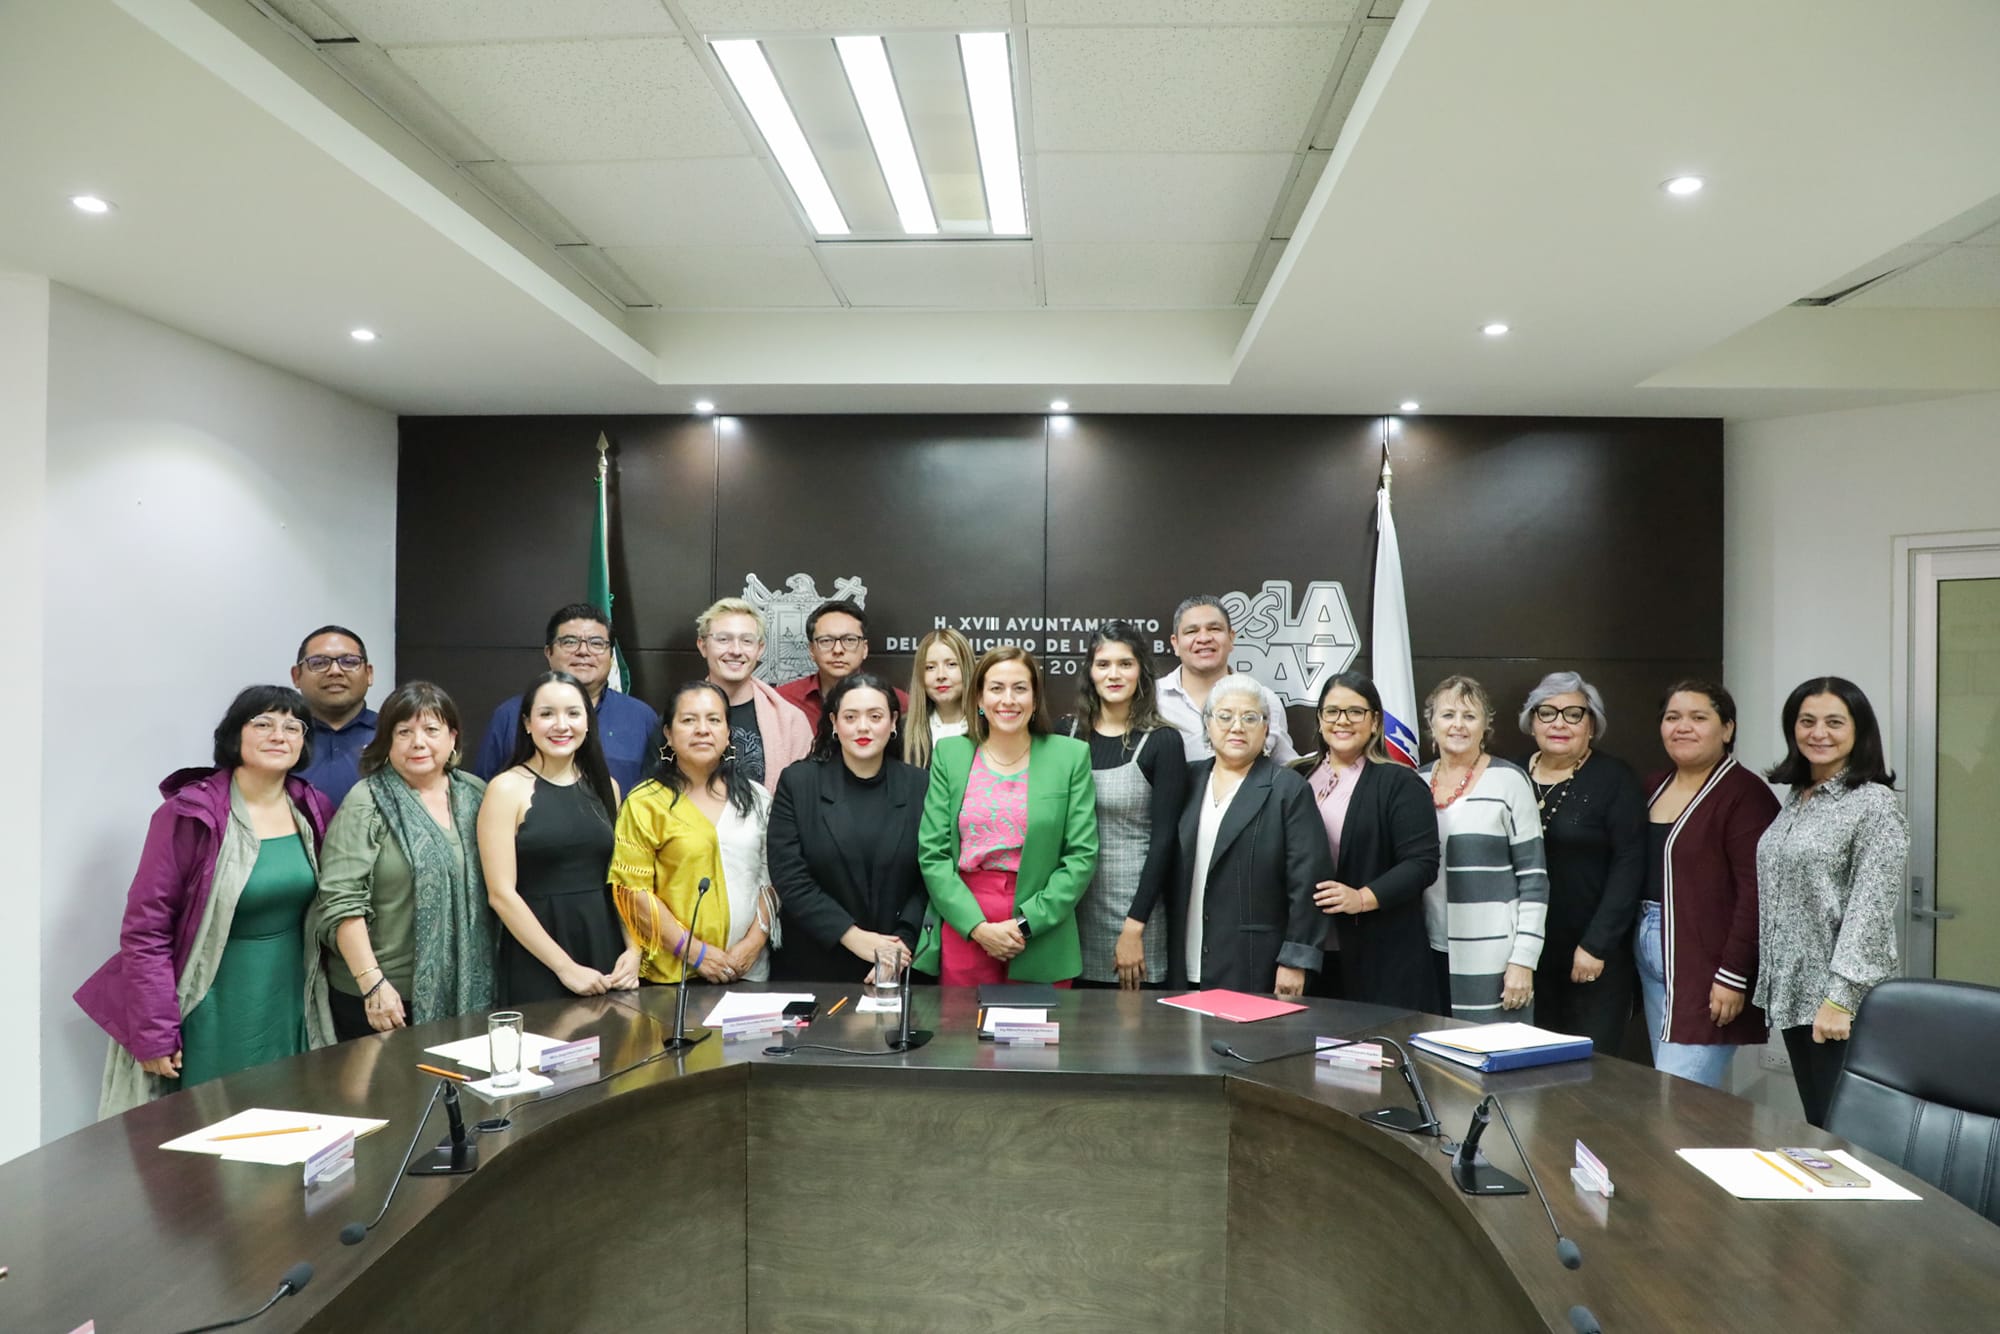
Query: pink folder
x=1235, y=1006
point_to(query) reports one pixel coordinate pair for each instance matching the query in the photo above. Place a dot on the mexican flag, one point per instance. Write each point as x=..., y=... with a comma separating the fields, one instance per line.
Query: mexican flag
x=598, y=587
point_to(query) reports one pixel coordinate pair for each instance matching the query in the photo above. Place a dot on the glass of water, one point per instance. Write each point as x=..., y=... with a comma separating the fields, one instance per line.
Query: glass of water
x=885, y=983
x=503, y=1041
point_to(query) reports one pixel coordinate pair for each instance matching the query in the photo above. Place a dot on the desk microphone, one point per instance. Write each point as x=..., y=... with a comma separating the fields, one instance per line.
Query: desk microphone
x=355, y=1233
x=1475, y=1176
x=680, y=1041
x=1423, y=1121
x=905, y=1040
x=455, y=1155
x=295, y=1280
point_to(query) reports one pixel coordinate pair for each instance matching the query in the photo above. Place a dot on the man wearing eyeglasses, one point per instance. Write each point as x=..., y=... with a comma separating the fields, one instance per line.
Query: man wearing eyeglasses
x=578, y=641
x=333, y=673
x=1202, y=640
x=837, y=635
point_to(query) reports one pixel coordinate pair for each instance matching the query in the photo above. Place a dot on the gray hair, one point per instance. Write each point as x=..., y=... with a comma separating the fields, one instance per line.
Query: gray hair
x=1564, y=683
x=1236, y=683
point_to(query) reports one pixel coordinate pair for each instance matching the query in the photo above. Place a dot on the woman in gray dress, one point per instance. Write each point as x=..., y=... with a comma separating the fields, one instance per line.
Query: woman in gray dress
x=1140, y=769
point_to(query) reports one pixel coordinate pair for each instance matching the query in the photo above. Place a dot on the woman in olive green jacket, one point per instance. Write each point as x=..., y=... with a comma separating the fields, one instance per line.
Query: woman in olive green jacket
x=1008, y=842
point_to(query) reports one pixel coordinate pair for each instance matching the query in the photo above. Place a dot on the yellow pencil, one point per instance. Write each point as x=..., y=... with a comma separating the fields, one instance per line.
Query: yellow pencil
x=836, y=1007
x=1779, y=1168
x=259, y=1134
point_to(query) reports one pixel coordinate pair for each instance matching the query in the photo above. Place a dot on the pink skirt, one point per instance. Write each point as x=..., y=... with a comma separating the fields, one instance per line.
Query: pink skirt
x=962, y=963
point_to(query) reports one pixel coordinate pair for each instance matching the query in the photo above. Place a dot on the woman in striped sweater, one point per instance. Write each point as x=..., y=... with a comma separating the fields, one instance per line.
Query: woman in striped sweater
x=1486, y=910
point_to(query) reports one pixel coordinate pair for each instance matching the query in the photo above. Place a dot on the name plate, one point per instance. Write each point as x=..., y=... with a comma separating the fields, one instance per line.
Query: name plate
x=752, y=1025
x=1027, y=1035
x=1590, y=1173
x=1358, y=1055
x=331, y=1162
x=566, y=1055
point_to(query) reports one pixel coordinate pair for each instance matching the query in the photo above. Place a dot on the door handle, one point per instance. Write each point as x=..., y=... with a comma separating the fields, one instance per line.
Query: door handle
x=1935, y=914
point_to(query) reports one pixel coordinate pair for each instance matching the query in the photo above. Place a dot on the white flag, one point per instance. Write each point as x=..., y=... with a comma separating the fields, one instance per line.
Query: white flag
x=1390, y=648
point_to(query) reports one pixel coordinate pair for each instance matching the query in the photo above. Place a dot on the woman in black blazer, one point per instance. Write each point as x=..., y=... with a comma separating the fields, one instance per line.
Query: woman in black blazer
x=1251, y=850
x=842, y=846
x=1382, y=833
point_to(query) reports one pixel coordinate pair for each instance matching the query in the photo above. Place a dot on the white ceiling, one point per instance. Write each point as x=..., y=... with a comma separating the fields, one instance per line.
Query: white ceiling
x=1236, y=205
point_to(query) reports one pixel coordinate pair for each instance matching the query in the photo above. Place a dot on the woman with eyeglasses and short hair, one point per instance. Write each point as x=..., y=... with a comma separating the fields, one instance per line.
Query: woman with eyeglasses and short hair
x=1252, y=853
x=1594, y=838
x=1383, y=838
x=215, y=971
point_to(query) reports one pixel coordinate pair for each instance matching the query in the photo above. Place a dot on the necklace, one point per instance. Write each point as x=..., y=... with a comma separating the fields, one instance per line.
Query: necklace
x=1004, y=764
x=1545, y=792
x=1463, y=783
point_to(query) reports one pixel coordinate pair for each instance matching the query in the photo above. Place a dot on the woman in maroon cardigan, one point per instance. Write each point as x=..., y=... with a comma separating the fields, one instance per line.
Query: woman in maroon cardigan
x=1697, y=936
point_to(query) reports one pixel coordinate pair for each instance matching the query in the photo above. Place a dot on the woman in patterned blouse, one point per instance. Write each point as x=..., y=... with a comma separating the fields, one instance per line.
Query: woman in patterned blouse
x=1828, y=872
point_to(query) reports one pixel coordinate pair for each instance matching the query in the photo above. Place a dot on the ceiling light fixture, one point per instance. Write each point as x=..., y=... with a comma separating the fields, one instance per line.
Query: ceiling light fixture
x=90, y=204
x=989, y=83
x=1494, y=330
x=362, y=335
x=866, y=61
x=1409, y=405
x=1683, y=185
x=743, y=60
x=703, y=406
x=1058, y=405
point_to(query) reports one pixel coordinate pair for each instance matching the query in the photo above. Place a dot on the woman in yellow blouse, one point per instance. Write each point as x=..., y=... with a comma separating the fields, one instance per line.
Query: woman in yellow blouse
x=696, y=819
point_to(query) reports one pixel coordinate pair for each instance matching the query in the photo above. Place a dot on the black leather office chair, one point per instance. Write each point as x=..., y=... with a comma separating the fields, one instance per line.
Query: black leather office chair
x=1921, y=1086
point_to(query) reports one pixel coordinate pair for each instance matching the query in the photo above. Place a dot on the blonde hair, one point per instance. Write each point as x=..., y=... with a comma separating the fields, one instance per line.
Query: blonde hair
x=1471, y=690
x=917, y=722
x=729, y=607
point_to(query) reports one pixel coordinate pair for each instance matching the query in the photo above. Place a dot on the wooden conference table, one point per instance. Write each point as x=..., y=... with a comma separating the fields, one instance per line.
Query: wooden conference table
x=1128, y=1178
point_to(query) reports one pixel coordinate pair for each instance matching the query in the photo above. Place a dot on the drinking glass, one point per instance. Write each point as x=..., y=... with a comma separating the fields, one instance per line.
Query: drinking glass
x=885, y=983
x=503, y=1041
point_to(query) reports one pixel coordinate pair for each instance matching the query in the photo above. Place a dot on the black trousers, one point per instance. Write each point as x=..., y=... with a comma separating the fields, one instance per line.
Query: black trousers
x=350, y=1016
x=1596, y=1010
x=1815, y=1068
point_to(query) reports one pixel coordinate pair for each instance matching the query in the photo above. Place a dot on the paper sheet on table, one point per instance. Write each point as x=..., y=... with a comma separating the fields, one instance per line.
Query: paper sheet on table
x=740, y=1004
x=1490, y=1038
x=1760, y=1174
x=474, y=1054
x=530, y=1083
x=1001, y=1014
x=273, y=1150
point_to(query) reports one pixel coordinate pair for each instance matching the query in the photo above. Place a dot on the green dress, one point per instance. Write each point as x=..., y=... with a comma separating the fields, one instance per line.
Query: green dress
x=255, y=1009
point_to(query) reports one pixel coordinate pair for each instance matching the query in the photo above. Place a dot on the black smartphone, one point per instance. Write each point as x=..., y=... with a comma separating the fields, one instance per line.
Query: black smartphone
x=801, y=1012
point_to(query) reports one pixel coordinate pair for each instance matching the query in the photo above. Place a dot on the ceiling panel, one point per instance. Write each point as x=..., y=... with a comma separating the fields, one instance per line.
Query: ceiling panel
x=1962, y=277
x=1145, y=276
x=598, y=101
x=1201, y=90
x=1169, y=12
x=959, y=275
x=679, y=201
x=1158, y=196
x=726, y=277
x=843, y=16
x=400, y=22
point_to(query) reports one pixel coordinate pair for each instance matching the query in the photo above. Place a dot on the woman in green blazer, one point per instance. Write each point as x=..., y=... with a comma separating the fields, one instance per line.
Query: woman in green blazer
x=1008, y=842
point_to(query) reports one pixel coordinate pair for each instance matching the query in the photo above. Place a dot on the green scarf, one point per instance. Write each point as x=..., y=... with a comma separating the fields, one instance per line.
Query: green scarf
x=456, y=942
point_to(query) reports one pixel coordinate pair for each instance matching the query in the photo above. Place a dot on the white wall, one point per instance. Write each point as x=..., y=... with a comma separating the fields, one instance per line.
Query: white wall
x=203, y=512
x=1811, y=508
x=24, y=360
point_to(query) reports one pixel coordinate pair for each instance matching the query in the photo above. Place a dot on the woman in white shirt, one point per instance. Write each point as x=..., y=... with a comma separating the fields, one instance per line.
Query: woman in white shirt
x=937, y=694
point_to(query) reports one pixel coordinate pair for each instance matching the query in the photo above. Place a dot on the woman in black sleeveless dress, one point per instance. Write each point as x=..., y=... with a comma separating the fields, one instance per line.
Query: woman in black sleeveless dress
x=545, y=842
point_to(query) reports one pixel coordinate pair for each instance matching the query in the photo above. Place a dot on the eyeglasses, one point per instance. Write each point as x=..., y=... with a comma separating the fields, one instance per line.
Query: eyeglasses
x=849, y=642
x=320, y=663
x=1360, y=713
x=1548, y=713
x=734, y=641
x=1228, y=720
x=264, y=726
x=571, y=643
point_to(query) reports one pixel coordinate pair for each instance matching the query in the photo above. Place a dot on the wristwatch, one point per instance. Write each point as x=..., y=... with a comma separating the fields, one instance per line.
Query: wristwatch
x=1021, y=925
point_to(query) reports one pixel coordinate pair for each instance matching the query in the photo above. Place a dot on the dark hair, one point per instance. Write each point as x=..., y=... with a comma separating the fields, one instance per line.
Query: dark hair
x=1363, y=685
x=1038, y=717
x=1865, y=763
x=575, y=611
x=1201, y=600
x=845, y=607
x=590, y=765
x=330, y=630
x=1719, y=699
x=249, y=702
x=825, y=747
x=665, y=768
x=411, y=700
x=1145, y=712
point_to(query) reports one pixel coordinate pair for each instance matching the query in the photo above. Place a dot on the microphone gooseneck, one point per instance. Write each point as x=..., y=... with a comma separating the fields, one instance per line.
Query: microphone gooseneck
x=354, y=1233
x=1567, y=1251
x=1423, y=1121
x=294, y=1280
x=680, y=1041
x=906, y=1039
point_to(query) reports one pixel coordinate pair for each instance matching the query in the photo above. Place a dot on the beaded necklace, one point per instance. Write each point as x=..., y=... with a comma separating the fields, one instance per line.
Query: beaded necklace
x=1545, y=792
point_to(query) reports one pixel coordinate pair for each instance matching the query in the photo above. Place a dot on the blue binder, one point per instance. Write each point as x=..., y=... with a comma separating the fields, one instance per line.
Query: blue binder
x=1519, y=1058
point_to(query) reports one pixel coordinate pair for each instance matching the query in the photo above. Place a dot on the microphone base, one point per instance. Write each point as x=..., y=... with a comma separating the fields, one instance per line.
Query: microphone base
x=1404, y=1119
x=447, y=1160
x=1480, y=1177
x=682, y=1041
x=916, y=1039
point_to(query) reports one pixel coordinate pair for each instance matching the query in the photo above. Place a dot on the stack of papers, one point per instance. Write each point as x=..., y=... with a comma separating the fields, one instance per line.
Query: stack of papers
x=274, y=1149
x=1492, y=1047
x=1005, y=1014
x=1762, y=1174
x=474, y=1054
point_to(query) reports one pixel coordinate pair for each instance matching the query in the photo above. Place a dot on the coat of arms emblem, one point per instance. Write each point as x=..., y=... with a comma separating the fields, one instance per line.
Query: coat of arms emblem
x=785, y=653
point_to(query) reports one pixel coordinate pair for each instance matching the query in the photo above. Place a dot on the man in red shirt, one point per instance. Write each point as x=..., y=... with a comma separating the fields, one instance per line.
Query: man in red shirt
x=837, y=635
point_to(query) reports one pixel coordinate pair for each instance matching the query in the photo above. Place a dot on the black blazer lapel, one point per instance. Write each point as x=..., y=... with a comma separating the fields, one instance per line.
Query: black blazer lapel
x=1357, y=836
x=1243, y=808
x=1190, y=829
x=889, y=845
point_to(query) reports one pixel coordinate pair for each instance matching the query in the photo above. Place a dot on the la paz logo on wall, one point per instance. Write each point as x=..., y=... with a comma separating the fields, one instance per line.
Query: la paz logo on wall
x=1293, y=652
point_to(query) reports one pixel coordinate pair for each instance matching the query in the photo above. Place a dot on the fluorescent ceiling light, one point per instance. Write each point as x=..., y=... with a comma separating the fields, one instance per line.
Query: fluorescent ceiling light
x=1683, y=185
x=989, y=82
x=867, y=63
x=1409, y=405
x=362, y=335
x=743, y=60
x=1494, y=330
x=91, y=203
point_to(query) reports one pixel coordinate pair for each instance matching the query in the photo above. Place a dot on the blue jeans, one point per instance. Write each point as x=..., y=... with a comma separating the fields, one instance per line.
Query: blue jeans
x=1704, y=1063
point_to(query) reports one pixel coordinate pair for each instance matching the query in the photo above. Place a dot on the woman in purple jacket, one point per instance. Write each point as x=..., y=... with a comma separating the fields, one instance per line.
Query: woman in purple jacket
x=215, y=971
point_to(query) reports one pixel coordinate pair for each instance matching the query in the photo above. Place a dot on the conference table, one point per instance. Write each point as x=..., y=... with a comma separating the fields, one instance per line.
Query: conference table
x=1126, y=1177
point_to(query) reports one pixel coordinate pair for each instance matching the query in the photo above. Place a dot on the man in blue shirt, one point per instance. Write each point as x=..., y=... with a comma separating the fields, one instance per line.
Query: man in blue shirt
x=578, y=641
x=333, y=673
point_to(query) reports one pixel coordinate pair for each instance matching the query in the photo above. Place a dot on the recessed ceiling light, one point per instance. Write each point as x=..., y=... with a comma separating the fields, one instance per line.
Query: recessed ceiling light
x=1683, y=185
x=989, y=85
x=90, y=203
x=362, y=335
x=866, y=61
x=1494, y=330
x=1058, y=405
x=743, y=60
x=1409, y=405
x=703, y=406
